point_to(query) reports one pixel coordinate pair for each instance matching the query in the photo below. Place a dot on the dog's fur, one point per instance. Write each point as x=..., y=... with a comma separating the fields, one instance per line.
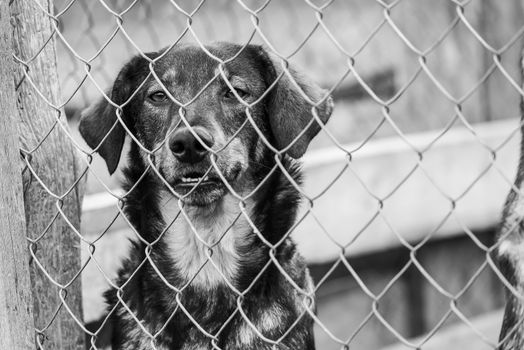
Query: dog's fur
x=510, y=253
x=168, y=284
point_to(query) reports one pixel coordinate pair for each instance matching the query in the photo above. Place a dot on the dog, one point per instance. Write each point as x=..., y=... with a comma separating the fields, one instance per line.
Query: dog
x=510, y=252
x=212, y=197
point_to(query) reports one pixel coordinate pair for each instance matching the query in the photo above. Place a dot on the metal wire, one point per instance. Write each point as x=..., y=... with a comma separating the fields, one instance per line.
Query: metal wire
x=89, y=61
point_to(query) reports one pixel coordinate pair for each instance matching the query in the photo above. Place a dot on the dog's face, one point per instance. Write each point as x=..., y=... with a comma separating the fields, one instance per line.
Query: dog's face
x=194, y=129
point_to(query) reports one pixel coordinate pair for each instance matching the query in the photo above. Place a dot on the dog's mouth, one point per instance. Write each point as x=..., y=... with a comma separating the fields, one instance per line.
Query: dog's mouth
x=201, y=187
x=201, y=184
x=196, y=179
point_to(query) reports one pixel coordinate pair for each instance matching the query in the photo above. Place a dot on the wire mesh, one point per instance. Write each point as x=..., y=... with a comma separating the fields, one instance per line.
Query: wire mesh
x=394, y=68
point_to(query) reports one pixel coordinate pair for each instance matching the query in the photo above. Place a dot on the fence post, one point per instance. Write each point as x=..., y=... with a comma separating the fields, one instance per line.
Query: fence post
x=16, y=306
x=53, y=160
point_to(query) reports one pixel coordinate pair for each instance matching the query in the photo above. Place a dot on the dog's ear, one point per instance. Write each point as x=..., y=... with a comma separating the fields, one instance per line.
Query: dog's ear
x=99, y=125
x=290, y=113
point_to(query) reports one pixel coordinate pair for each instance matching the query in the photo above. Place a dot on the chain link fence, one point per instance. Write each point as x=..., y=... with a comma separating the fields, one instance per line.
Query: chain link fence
x=403, y=186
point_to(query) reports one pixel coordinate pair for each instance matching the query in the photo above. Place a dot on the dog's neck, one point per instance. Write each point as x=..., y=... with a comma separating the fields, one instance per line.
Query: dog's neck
x=241, y=253
x=203, y=242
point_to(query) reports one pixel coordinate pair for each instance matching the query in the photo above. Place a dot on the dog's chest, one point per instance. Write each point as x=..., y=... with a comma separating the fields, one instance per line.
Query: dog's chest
x=204, y=244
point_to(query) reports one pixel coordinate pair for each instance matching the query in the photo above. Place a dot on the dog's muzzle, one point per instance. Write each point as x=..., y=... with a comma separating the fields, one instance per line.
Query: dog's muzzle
x=194, y=178
x=187, y=148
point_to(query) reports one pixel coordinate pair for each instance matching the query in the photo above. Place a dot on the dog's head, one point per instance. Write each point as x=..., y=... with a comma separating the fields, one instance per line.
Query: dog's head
x=188, y=116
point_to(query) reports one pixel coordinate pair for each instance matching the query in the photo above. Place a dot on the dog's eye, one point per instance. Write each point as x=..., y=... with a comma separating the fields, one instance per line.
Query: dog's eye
x=242, y=93
x=158, y=96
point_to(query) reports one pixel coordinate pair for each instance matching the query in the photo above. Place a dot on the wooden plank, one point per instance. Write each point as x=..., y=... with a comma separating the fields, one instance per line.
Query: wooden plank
x=498, y=22
x=53, y=160
x=452, y=264
x=454, y=162
x=16, y=305
x=461, y=336
x=457, y=167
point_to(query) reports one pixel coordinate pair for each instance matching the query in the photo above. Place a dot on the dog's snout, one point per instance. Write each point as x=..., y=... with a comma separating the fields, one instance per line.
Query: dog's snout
x=187, y=148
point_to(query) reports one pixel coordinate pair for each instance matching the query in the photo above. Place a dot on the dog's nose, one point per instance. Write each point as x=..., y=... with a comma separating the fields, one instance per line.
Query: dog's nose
x=187, y=148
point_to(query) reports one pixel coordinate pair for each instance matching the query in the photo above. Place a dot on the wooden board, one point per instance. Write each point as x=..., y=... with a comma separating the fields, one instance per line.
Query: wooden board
x=16, y=305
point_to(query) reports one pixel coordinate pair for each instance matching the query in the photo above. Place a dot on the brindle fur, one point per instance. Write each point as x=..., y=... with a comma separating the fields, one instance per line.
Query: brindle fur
x=272, y=304
x=510, y=254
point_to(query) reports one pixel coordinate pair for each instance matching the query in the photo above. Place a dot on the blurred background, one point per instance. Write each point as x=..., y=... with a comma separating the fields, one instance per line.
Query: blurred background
x=409, y=178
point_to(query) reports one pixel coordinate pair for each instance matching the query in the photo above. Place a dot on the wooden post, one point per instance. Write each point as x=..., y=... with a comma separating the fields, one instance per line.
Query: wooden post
x=16, y=306
x=53, y=160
